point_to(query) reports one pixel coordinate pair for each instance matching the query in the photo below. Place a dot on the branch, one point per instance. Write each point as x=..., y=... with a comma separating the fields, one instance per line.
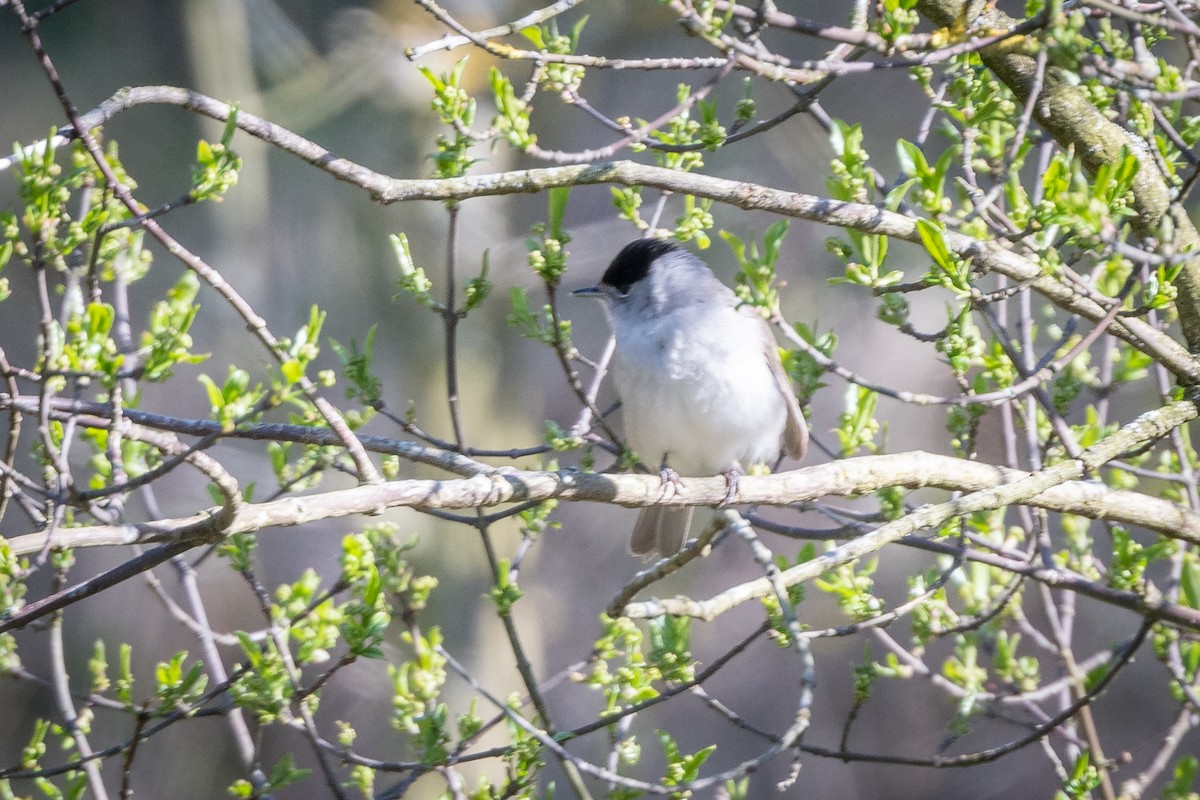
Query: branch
x=1066, y=113
x=853, y=476
x=1146, y=428
x=99, y=415
x=451, y=41
x=858, y=216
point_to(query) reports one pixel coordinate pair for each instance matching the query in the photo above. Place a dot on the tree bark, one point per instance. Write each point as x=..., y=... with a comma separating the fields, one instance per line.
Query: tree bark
x=1067, y=115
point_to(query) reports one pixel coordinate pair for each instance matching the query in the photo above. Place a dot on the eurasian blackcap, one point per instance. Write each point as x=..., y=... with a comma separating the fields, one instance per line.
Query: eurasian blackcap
x=699, y=377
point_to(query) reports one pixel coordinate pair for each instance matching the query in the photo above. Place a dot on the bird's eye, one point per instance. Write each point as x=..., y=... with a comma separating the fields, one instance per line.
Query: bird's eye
x=622, y=289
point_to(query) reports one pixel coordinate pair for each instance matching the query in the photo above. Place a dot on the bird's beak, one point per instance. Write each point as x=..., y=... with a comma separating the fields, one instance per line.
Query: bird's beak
x=590, y=291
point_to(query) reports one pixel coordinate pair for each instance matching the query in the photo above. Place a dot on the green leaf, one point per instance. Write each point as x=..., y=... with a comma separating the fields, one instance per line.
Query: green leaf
x=285, y=772
x=292, y=370
x=413, y=280
x=125, y=675
x=912, y=160
x=252, y=650
x=534, y=34
x=682, y=768
x=896, y=194
x=100, y=318
x=935, y=244
x=230, y=125
x=478, y=288
x=773, y=240
x=1180, y=787
x=241, y=788
x=1056, y=179
x=215, y=399
x=577, y=30
x=1190, y=583
x=558, y=198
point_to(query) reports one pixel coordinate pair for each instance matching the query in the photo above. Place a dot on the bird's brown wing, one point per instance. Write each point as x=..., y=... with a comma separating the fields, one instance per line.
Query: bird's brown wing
x=795, y=434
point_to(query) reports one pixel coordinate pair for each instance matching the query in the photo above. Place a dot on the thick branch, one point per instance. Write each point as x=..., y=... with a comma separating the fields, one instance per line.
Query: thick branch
x=1065, y=112
x=854, y=476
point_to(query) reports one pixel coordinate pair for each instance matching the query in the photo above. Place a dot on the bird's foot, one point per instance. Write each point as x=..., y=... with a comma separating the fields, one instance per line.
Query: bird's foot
x=732, y=476
x=670, y=478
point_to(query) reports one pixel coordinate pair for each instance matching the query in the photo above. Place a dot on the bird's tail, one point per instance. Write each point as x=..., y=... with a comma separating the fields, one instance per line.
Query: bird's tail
x=662, y=529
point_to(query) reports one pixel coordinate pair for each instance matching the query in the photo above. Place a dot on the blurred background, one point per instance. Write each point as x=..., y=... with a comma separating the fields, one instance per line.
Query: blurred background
x=289, y=237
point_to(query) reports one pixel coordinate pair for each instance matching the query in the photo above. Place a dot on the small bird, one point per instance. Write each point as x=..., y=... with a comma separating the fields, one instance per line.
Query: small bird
x=699, y=378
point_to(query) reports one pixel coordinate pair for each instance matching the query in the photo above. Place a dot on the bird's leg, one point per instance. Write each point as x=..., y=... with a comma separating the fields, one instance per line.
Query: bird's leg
x=732, y=475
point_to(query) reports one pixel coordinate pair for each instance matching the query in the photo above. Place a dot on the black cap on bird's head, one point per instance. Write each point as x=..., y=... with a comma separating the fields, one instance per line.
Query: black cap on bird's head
x=633, y=262
x=631, y=265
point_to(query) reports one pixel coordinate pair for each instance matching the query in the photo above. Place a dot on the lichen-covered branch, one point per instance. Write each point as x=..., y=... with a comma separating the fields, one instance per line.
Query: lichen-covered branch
x=1065, y=112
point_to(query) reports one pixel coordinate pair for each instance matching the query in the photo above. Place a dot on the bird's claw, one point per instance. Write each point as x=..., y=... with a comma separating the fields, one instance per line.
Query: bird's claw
x=670, y=477
x=732, y=476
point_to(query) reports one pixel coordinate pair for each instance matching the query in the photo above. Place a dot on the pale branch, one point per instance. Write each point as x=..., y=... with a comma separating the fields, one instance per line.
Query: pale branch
x=1066, y=113
x=853, y=476
x=812, y=71
x=904, y=51
x=1147, y=604
x=769, y=68
x=699, y=547
x=1185, y=721
x=1179, y=23
x=452, y=41
x=772, y=17
x=985, y=255
x=214, y=470
x=99, y=415
x=631, y=136
x=1148, y=427
x=75, y=728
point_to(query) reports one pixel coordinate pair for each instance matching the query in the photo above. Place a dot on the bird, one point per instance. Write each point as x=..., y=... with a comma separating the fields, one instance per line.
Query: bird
x=698, y=374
